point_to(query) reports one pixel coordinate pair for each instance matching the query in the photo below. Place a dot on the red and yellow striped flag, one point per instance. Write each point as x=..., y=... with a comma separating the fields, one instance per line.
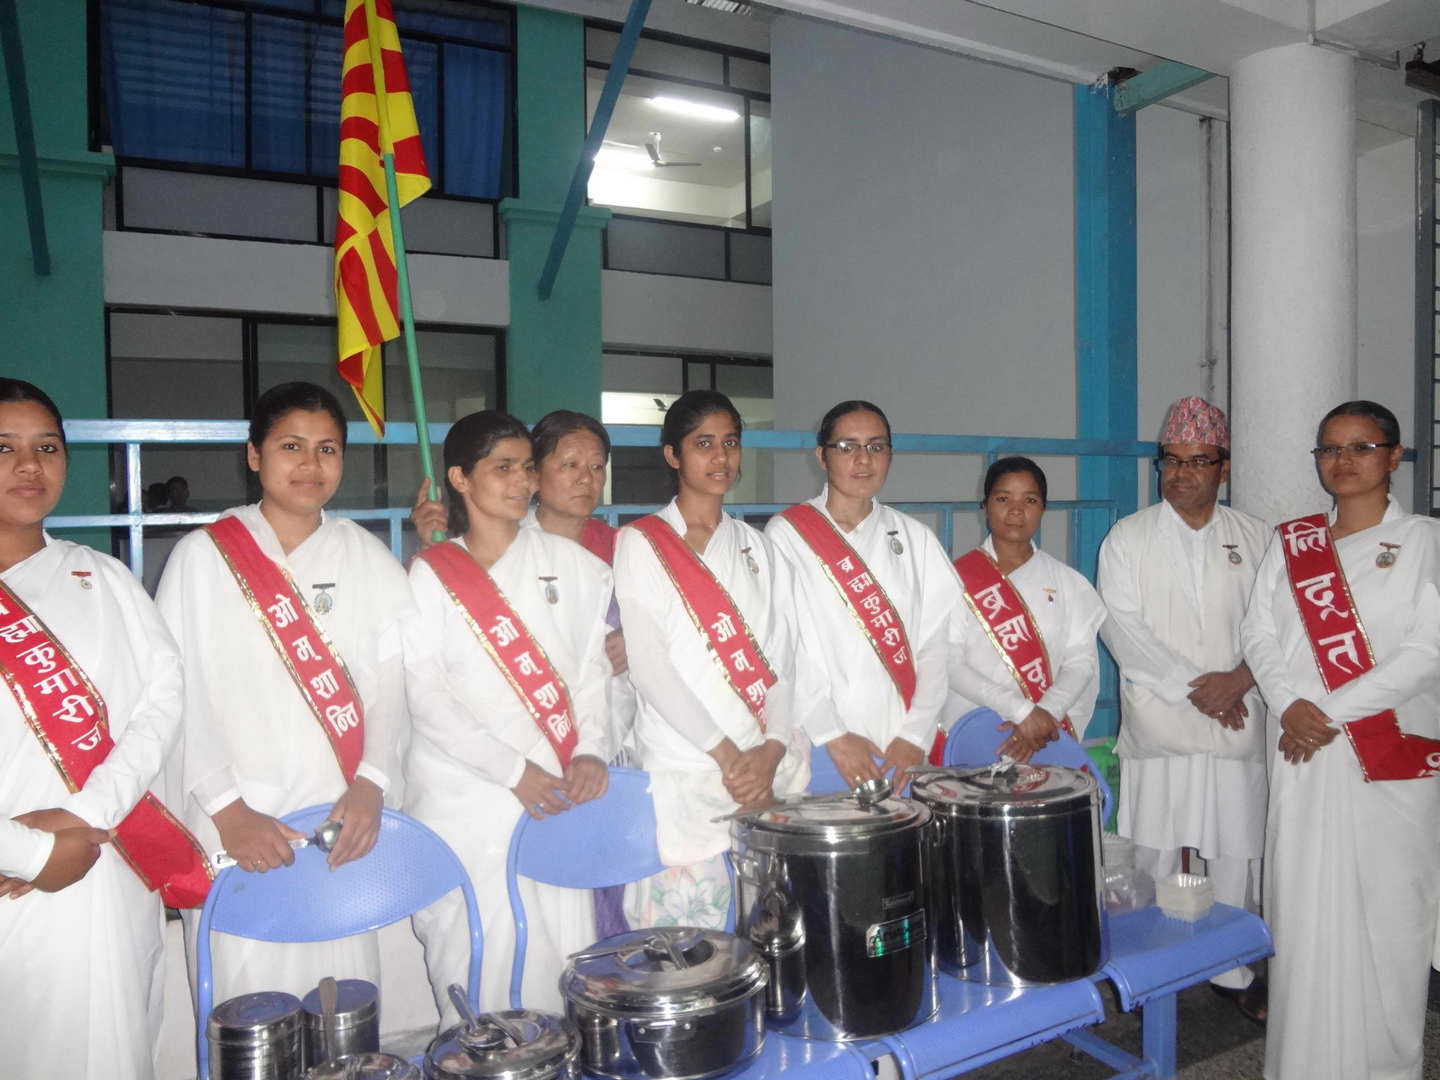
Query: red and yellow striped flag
x=367, y=304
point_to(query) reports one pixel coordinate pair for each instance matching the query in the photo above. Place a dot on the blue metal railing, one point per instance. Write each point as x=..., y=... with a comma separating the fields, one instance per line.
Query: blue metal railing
x=133, y=435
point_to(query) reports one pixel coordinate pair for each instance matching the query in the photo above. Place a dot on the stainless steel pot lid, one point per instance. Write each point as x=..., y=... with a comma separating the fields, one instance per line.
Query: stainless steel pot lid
x=356, y=1001
x=826, y=821
x=251, y=1015
x=1010, y=790
x=364, y=1067
x=517, y=1044
x=663, y=972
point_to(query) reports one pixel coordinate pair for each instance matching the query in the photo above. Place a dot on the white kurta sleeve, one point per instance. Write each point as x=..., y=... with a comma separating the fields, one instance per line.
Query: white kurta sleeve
x=781, y=704
x=590, y=695
x=965, y=637
x=23, y=851
x=191, y=572
x=151, y=730
x=1075, y=664
x=435, y=711
x=941, y=595
x=1258, y=634
x=639, y=581
x=386, y=716
x=1143, y=657
x=1401, y=675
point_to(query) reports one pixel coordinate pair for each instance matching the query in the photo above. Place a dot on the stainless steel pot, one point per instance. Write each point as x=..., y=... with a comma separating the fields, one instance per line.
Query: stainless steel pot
x=669, y=1003
x=516, y=1044
x=356, y=1027
x=832, y=893
x=256, y=1037
x=1014, y=854
x=364, y=1067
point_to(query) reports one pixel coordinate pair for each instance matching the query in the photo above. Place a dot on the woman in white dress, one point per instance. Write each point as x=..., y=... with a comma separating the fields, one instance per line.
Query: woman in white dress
x=1060, y=607
x=81, y=937
x=880, y=652
x=256, y=746
x=715, y=726
x=1352, y=868
x=482, y=753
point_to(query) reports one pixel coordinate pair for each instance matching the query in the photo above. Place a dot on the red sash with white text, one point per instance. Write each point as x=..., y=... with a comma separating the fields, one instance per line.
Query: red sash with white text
x=863, y=595
x=715, y=615
x=1008, y=624
x=507, y=641
x=66, y=713
x=306, y=652
x=1342, y=650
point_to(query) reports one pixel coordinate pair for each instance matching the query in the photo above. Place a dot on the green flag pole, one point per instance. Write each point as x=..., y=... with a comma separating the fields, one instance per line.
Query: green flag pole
x=402, y=271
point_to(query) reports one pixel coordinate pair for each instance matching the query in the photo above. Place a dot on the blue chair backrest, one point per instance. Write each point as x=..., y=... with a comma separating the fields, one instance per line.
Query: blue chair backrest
x=825, y=779
x=607, y=841
x=975, y=739
x=409, y=869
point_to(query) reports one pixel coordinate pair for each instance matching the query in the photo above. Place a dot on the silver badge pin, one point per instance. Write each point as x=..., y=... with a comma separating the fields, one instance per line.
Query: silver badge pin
x=1386, y=558
x=324, y=603
x=552, y=594
x=1233, y=556
x=750, y=561
x=895, y=545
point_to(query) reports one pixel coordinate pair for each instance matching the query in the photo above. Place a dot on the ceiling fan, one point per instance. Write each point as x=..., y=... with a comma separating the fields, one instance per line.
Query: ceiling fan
x=652, y=147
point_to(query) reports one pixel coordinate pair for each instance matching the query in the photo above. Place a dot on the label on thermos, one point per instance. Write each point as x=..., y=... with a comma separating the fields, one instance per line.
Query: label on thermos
x=893, y=935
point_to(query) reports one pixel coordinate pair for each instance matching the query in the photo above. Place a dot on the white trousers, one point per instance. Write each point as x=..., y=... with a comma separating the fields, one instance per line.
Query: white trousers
x=1236, y=882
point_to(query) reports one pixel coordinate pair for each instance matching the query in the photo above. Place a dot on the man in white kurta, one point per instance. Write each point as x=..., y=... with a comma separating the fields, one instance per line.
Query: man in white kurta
x=1175, y=578
x=687, y=706
x=80, y=981
x=1352, y=869
x=852, y=689
x=1067, y=613
x=472, y=738
x=250, y=734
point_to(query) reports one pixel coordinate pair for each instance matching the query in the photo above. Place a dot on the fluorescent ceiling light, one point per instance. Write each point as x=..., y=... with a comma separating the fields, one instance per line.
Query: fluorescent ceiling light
x=684, y=107
x=613, y=157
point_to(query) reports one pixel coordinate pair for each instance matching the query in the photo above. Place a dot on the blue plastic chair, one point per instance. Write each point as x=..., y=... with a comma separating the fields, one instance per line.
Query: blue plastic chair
x=975, y=740
x=611, y=841
x=409, y=869
x=825, y=779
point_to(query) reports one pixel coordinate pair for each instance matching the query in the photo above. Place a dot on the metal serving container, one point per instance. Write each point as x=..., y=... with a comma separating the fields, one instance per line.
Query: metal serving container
x=668, y=1003
x=364, y=1067
x=832, y=893
x=357, y=1022
x=516, y=1044
x=1014, y=858
x=256, y=1037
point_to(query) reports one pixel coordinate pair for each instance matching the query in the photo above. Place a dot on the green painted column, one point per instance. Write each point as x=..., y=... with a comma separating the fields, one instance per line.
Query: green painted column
x=553, y=350
x=55, y=324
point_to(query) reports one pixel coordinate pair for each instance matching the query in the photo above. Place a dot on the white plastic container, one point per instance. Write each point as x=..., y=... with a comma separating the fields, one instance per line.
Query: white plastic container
x=1185, y=896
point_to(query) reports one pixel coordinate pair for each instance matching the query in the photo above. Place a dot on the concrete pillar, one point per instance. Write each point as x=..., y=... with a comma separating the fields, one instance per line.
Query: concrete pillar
x=1293, y=289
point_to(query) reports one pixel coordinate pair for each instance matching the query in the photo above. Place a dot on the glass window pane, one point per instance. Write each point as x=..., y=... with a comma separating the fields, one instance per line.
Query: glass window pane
x=477, y=118
x=180, y=367
x=175, y=81
x=671, y=151
x=668, y=58
x=279, y=54
x=217, y=205
x=459, y=375
x=421, y=65
x=642, y=374
x=697, y=375
x=600, y=44
x=455, y=20
x=658, y=247
x=761, y=153
x=326, y=62
x=750, y=258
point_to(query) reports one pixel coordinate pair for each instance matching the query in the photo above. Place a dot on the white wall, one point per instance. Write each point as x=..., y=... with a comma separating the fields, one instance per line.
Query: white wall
x=923, y=252
x=1385, y=221
x=640, y=310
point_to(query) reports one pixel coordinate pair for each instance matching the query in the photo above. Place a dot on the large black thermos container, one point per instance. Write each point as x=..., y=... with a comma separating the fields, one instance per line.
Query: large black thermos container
x=832, y=893
x=1013, y=857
